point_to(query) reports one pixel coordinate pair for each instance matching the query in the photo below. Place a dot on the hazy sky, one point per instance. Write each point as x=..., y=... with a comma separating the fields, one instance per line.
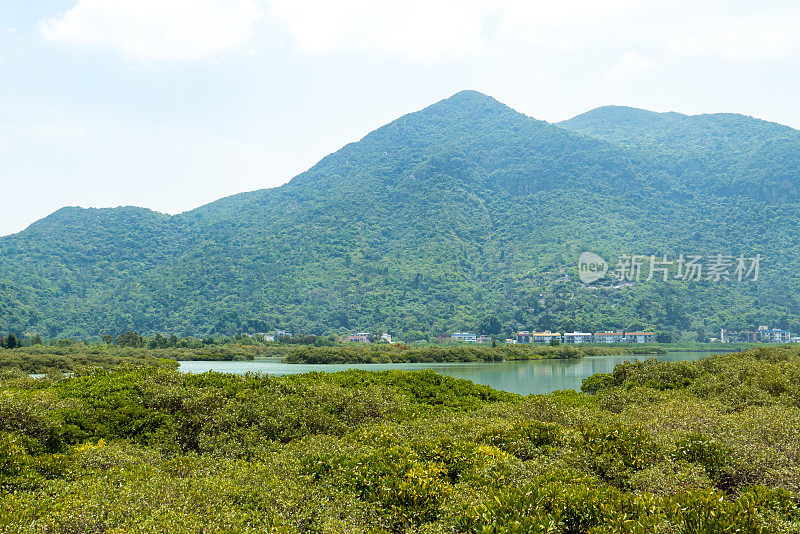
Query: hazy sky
x=170, y=104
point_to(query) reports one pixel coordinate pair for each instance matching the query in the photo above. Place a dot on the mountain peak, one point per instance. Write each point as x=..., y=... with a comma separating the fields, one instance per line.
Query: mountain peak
x=471, y=100
x=608, y=116
x=470, y=96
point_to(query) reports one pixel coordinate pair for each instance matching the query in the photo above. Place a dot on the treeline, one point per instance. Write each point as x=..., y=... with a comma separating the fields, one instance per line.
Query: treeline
x=44, y=359
x=11, y=341
x=131, y=339
x=55, y=362
x=400, y=353
x=705, y=447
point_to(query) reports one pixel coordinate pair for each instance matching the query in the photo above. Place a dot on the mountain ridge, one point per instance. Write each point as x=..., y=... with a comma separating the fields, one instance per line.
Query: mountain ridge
x=464, y=210
x=458, y=98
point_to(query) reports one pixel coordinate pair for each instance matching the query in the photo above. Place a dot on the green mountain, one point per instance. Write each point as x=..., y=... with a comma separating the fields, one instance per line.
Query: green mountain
x=441, y=220
x=724, y=153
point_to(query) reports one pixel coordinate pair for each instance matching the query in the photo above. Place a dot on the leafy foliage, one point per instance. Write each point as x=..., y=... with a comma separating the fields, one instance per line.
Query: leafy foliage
x=154, y=450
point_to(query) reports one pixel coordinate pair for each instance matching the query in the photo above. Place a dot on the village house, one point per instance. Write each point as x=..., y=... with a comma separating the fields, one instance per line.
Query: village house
x=609, y=337
x=577, y=337
x=763, y=334
x=545, y=337
x=640, y=337
x=750, y=337
x=362, y=337
x=776, y=336
x=484, y=339
x=523, y=337
x=464, y=337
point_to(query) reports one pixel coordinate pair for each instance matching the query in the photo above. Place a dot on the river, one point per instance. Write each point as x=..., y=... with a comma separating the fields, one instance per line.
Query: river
x=523, y=377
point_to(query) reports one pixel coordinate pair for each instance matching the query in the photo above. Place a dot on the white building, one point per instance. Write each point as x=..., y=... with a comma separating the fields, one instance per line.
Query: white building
x=776, y=336
x=484, y=339
x=545, y=337
x=609, y=337
x=577, y=337
x=464, y=337
x=640, y=337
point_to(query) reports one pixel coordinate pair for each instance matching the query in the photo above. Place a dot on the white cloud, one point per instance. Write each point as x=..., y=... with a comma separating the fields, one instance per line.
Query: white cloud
x=432, y=30
x=752, y=36
x=416, y=30
x=629, y=66
x=156, y=30
x=566, y=24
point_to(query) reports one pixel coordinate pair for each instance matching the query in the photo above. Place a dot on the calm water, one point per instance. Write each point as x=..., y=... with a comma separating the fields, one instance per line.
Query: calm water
x=537, y=376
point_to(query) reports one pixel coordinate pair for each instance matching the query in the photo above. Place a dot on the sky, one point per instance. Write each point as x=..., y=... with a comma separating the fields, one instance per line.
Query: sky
x=171, y=104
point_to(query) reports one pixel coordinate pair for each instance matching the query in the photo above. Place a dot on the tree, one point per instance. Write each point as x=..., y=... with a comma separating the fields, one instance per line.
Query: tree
x=12, y=342
x=36, y=340
x=129, y=339
x=108, y=340
x=158, y=342
x=664, y=337
x=490, y=325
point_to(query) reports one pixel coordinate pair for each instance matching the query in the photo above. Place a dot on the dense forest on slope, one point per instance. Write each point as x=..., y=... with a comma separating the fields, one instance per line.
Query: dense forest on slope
x=440, y=221
x=654, y=447
x=724, y=153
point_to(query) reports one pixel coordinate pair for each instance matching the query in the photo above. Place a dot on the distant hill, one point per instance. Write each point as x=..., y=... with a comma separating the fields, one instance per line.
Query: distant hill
x=726, y=154
x=441, y=220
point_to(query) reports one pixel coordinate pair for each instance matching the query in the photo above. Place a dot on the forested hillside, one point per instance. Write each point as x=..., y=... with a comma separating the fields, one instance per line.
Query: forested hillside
x=461, y=212
x=723, y=153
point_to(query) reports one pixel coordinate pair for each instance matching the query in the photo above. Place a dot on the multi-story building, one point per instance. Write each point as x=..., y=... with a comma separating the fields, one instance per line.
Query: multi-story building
x=464, y=337
x=750, y=337
x=577, y=337
x=728, y=336
x=776, y=336
x=640, y=337
x=545, y=337
x=764, y=334
x=362, y=337
x=484, y=339
x=609, y=337
x=524, y=337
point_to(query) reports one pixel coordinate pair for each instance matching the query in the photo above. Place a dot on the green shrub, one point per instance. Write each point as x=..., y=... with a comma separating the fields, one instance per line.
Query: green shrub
x=702, y=450
x=526, y=440
x=614, y=452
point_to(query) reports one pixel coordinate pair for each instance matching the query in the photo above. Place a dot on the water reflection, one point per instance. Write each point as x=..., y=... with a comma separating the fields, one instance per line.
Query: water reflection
x=539, y=376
